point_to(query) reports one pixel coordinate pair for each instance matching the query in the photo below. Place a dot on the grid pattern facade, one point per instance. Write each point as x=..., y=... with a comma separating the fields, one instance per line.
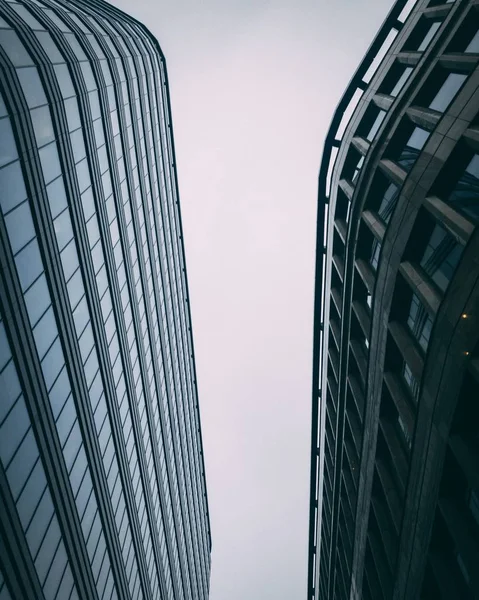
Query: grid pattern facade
x=102, y=486
x=394, y=510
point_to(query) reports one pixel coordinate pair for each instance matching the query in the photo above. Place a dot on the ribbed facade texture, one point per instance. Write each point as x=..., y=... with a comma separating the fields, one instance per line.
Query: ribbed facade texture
x=102, y=486
x=394, y=504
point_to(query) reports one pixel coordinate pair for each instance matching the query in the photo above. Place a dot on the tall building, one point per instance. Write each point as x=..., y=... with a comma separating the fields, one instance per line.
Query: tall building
x=394, y=504
x=102, y=485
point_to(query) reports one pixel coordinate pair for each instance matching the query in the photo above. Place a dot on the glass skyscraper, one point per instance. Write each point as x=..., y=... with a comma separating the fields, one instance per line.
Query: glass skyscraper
x=102, y=484
x=394, y=500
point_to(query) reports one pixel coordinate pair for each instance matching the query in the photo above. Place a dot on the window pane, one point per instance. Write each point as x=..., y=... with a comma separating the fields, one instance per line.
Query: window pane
x=50, y=47
x=69, y=260
x=376, y=125
x=75, y=46
x=401, y=81
x=63, y=229
x=3, y=108
x=8, y=147
x=45, y=332
x=73, y=115
x=13, y=430
x=20, y=226
x=441, y=257
x=465, y=196
x=50, y=162
x=4, y=347
x=64, y=81
x=429, y=35
x=419, y=322
x=448, y=91
x=27, y=16
x=388, y=202
x=375, y=252
x=56, y=19
x=413, y=147
x=78, y=145
x=473, y=45
x=57, y=197
x=52, y=363
x=14, y=49
x=37, y=299
x=32, y=86
x=42, y=125
x=88, y=76
x=29, y=264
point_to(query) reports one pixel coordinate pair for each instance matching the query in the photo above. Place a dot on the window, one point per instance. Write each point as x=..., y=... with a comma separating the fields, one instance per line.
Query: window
x=8, y=148
x=429, y=35
x=448, y=91
x=473, y=45
x=56, y=19
x=88, y=76
x=411, y=382
x=32, y=87
x=27, y=16
x=73, y=114
x=413, y=147
x=473, y=503
x=51, y=49
x=75, y=46
x=465, y=196
x=42, y=125
x=20, y=227
x=64, y=80
x=375, y=252
x=388, y=202
x=29, y=264
x=14, y=49
x=419, y=322
x=441, y=257
x=401, y=82
x=50, y=162
x=357, y=169
x=376, y=125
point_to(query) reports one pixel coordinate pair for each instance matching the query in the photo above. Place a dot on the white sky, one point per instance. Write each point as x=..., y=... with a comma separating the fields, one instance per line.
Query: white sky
x=254, y=84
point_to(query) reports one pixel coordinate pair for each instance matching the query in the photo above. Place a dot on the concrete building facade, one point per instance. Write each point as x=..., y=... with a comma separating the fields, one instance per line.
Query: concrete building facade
x=394, y=509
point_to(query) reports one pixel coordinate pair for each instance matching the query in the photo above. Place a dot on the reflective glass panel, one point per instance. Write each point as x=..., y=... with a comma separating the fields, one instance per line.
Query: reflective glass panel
x=375, y=252
x=419, y=322
x=8, y=147
x=401, y=81
x=388, y=202
x=42, y=125
x=473, y=45
x=413, y=148
x=429, y=35
x=32, y=87
x=465, y=196
x=50, y=47
x=14, y=49
x=441, y=257
x=448, y=91
x=376, y=125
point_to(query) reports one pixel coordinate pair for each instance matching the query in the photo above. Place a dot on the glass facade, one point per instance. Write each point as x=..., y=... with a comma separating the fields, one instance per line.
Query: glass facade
x=101, y=460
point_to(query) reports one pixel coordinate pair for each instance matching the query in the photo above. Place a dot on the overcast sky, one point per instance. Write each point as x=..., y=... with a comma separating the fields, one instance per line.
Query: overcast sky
x=253, y=85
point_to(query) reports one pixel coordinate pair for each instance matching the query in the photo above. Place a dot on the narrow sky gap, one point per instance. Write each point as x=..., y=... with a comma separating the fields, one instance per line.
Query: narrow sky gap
x=254, y=84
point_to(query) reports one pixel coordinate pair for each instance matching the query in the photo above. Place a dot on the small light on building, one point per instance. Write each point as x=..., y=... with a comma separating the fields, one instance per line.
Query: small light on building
x=467, y=353
x=464, y=315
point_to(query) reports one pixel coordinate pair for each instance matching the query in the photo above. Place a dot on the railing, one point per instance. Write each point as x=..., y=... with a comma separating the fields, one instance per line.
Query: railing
x=342, y=116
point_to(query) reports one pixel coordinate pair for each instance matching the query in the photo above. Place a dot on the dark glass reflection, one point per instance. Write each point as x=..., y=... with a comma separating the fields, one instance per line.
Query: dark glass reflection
x=441, y=256
x=465, y=196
